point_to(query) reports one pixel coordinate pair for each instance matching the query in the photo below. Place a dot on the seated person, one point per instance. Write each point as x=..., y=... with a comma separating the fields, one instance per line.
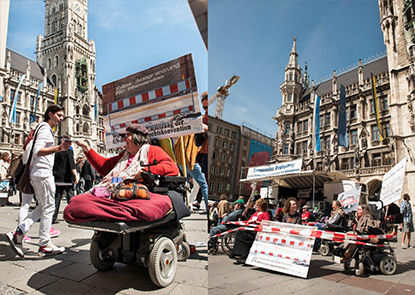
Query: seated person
x=244, y=239
x=365, y=224
x=220, y=228
x=290, y=209
x=306, y=215
x=96, y=204
x=336, y=216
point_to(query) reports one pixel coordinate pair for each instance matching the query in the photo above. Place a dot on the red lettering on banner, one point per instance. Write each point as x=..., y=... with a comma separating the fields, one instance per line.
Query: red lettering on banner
x=301, y=244
x=279, y=255
x=294, y=232
x=283, y=241
x=191, y=108
x=174, y=88
x=176, y=112
x=135, y=122
x=159, y=92
x=162, y=116
x=145, y=97
x=147, y=119
x=267, y=239
x=292, y=243
x=271, y=254
x=123, y=125
x=262, y=252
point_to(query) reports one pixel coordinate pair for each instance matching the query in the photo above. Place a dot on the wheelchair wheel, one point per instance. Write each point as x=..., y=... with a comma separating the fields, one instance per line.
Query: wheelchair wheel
x=360, y=269
x=387, y=264
x=324, y=250
x=98, y=259
x=183, y=251
x=162, y=264
x=228, y=242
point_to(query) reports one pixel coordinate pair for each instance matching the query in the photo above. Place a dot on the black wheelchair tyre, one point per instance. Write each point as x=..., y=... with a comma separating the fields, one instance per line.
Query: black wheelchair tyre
x=228, y=242
x=97, y=259
x=324, y=250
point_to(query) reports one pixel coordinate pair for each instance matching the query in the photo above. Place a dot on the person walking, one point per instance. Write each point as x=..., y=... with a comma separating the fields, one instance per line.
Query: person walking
x=88, y=174
x=64, y=171
x=43, y=182
x=408, y=226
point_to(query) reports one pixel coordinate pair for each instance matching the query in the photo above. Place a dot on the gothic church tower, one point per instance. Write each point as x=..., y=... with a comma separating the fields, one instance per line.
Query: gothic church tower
x=397, y=23
x=291, y=90
x=68, y=58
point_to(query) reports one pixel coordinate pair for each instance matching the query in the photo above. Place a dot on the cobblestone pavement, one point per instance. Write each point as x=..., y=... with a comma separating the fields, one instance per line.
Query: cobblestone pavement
x=72, y=272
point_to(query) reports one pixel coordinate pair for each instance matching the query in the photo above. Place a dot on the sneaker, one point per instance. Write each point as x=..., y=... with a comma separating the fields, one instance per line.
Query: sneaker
x=15, y=239
x=196, y=205
x=54, y=232
x=50, y=249
x=26, y=239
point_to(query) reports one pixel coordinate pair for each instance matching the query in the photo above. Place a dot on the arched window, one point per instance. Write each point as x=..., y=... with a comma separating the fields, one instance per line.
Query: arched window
x=61, y=6
x=85, y=110
x=77, y=110
x=77, y=128
x=56, y=61
x=85, y=128
x=49, y=63
x=53, y=78
x=53, y=9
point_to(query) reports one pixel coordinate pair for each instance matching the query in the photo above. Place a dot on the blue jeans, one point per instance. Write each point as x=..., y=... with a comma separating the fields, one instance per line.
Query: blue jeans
x=213, y=232
x=199, y=177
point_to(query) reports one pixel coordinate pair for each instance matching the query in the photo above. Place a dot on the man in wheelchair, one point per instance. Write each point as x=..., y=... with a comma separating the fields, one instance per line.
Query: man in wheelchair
x=233, y=216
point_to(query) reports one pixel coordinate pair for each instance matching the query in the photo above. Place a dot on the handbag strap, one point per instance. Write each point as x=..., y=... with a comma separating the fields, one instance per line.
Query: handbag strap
x=33, y=145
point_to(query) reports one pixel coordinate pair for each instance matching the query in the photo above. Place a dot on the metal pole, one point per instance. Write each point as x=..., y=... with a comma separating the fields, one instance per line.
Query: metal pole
x=314, y=185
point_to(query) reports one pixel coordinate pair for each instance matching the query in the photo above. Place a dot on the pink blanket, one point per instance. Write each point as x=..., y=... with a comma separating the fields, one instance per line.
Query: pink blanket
x=87, y=207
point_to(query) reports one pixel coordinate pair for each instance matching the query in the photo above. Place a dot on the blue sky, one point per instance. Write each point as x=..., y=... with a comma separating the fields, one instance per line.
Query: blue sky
x=253, y=39
x=129, y=35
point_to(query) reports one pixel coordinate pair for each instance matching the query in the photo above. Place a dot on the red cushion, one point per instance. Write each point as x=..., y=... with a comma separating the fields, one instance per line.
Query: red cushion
x=87, y=207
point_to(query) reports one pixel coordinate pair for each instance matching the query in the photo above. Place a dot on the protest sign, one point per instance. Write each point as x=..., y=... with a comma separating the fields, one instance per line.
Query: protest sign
x=350, y=199
x=275, y=169
x=171, y=109
x=283, y=251
x=392, y=183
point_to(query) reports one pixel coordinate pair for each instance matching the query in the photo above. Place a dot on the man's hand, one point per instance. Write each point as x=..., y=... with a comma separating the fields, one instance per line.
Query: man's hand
x=84, y=146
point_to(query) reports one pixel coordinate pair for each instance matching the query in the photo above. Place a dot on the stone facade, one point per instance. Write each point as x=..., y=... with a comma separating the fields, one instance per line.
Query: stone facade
x=66, y=64
x=367, y=157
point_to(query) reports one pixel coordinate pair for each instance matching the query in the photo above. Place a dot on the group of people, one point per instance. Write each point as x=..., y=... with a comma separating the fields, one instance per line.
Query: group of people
x=53, y=175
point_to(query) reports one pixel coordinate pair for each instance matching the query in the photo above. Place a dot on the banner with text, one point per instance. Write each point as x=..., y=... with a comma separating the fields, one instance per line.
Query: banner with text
x=282, y=251
x=350, y=199
x=392, y=183
x=171, y=109
x=275, y=169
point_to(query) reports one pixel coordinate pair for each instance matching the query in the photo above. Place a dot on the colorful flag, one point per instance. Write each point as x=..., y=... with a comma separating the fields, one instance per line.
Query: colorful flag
x=33, y=118
x=12, y=115
x=316, y=123
x=56, y=95
x=375, y=102
x=341, y=132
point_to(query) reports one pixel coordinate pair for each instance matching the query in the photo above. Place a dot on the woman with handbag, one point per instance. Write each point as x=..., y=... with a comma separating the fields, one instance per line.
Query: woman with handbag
x=39, y=168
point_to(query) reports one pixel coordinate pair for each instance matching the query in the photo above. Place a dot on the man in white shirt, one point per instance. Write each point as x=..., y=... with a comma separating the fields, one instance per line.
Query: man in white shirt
x=42, y=180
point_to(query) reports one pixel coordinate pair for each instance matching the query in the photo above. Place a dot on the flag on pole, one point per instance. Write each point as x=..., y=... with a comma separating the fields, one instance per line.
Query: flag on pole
x=341, y=132
x=12, y=115
x=316, y=123
x=56, y=95
x=375, y=102
x=32, y=118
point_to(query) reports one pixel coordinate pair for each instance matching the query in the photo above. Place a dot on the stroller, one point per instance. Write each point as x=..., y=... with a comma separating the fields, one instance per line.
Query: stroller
x=157, y=245
x=371, y=256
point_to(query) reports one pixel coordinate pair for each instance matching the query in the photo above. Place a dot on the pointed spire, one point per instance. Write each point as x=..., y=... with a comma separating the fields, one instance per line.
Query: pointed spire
x=293, y=55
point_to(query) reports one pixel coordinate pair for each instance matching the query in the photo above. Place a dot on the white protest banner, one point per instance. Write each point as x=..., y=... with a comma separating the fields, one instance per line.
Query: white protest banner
x=282, y=251
x=275, y=169
x=350, y=199
x=171, y=109
x=392, y=183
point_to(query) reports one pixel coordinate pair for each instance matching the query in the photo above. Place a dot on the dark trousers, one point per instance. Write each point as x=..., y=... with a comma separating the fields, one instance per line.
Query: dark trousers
x=68, y=190
x=88, y=184
x=243, y=242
